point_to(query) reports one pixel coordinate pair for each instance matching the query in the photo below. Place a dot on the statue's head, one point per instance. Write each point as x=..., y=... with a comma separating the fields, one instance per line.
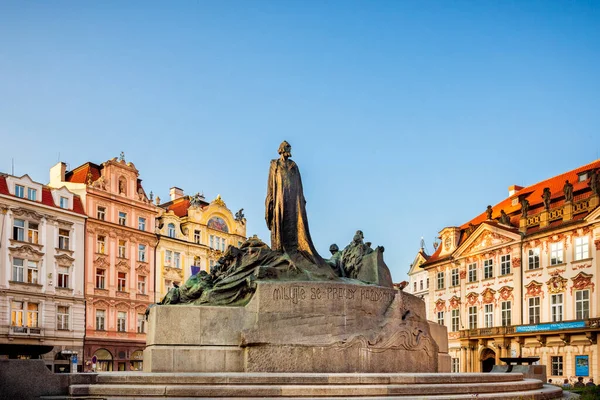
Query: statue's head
x=358, y=237
x=334, y=248
x=285, y=150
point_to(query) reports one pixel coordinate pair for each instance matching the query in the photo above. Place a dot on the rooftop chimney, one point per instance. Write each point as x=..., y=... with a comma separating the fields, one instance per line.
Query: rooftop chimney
x=176, y=193
x=514, y=189
x=57, y=174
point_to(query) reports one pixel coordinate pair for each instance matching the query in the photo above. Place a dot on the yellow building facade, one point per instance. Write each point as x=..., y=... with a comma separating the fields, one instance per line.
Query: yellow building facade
x=193, y=234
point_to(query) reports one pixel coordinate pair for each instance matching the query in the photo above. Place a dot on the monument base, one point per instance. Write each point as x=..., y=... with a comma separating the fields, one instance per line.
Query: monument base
x=325, y=327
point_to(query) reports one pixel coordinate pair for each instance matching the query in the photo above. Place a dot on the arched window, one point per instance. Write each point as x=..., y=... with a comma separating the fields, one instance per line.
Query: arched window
x=104, y=360
x=218, y=224
x=171, y=230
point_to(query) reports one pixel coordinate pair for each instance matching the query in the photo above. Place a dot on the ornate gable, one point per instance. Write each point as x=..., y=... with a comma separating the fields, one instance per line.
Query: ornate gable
x=472, y=298
x=454, y=302
x=26, y=251
x=534, y=289
x=64, y=260
x=582, y=281
x=440, y=305
x=484, y=238
x=122, y=266
x=101, y=262
x=557, y=284
x=142, y=269
x=488, y=296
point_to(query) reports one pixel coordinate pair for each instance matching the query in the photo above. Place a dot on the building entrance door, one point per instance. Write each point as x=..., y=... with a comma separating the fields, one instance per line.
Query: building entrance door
x=488, y=360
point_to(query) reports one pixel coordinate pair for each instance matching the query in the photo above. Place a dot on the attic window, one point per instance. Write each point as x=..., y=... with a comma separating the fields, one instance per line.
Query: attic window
x=583, y=176
x=515, y=201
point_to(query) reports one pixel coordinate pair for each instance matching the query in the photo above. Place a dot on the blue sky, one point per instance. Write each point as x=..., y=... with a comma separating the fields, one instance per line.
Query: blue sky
x=404, y=116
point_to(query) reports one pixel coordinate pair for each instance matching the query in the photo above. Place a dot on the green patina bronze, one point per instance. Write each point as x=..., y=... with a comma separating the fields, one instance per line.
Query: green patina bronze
x=292, y=256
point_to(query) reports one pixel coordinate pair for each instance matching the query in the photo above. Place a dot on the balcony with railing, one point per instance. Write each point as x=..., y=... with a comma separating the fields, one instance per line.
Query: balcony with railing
x=25, y=330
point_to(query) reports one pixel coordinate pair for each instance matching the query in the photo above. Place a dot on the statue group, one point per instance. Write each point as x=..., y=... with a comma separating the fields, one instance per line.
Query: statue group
x=292, y=255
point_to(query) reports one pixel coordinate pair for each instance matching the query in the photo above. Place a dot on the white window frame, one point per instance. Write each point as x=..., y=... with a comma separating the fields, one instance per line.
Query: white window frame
x=455, y=365
x=455, y=320
x=63, y=240
x=122, y=247
x=19, y=191
x=557, y=256
x=121, y=321
x=122, y=218
x=141, y=284
x=488, y=315
x=506, y=310
x=64, y=202
x=440, y=280
x=141, y=323
x=32, y=194
x=473, y=317
x=533, y=259
x=556, y=366
x=100, y=320
x=26, y=231
x=100, y=278
x=17, y=313
x=142, y=252
x=505, y=264
x=141, y=223
x=197, y=236
x=534, y=308
x=101, y=244
x=488, y=268
x=171, y=230
x=62, y=318
x=582, y=248
x=177, y=259
x=168, y=257
x=101, y=213
x=556, y=307
x=455, y=277
x=472, y=272
x=18, y=270
x=63, y=275
x=121, y=281
x=582, y=304
x=440, y=317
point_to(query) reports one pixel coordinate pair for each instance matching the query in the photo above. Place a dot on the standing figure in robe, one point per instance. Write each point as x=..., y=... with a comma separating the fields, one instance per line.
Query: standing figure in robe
x=285, y=214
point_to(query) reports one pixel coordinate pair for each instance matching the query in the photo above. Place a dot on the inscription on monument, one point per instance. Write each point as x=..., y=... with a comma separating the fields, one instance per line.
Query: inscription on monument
x=297, y=293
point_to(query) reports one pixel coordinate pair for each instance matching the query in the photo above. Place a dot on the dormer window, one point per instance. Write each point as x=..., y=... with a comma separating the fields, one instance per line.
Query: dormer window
x=20, y=191
x=31, y=194
x=171, y=230
x=64, y=202
x=583, y=176
x=515, y=201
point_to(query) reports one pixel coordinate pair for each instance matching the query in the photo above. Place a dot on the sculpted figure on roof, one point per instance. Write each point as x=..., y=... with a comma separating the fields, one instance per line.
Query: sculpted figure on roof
x=524, y=207
x=568, y=190
x=504, y=218
x=593, y=181
x=546, y=198
x=489, y=212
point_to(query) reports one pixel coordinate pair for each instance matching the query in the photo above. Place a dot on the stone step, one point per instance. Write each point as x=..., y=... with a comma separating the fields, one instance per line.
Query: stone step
x=544, y=393
x=231, y=378
x=306, y=390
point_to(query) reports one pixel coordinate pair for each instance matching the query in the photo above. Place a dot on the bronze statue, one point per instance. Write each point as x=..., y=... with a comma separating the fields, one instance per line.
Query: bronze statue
x=568, y=191
x=489, y=212
x=524, y=207
x=239, y=216
x=546, y=198
x=504, y=218
x=285, y=213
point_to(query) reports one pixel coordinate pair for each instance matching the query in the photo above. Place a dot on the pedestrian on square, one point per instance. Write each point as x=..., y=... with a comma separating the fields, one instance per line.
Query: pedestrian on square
x=579, y=382
x=566, y=384
x=590, y=382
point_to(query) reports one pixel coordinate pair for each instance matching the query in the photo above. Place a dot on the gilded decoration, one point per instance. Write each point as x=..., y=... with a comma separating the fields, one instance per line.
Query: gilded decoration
x=472, y=298
x=582, y=281
x=26, y=251
x=440, y=305
x=506, y=293
x=487, y=239
x=454, y=302
x=557, y=284
x=219, y=201
x=488, y=296
x=64, y=260
x=217, y=223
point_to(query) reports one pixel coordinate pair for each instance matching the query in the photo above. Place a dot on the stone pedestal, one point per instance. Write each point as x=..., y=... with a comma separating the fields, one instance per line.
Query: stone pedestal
x=298, y=327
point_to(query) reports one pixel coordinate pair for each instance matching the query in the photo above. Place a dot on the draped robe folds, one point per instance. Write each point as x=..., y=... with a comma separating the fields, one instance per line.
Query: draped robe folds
x=286, y=218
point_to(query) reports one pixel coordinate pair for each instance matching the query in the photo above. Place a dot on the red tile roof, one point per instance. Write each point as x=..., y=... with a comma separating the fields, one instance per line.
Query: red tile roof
x=80, y=174
x=533, y=193
x=47, y=198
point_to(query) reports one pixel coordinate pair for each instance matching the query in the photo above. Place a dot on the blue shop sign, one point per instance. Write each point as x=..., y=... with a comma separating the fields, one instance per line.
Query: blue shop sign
x=582, y=366
x=550, y=327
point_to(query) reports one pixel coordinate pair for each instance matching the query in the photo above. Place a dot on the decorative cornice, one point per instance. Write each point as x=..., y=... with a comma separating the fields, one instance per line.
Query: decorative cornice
x=23, y=212
x=26, y=250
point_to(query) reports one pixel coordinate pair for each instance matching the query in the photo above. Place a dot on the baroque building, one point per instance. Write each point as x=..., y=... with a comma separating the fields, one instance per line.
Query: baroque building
x=193, y=234
x=119, y=260
x=42, y=303
x=520, y=279
x=418, y=278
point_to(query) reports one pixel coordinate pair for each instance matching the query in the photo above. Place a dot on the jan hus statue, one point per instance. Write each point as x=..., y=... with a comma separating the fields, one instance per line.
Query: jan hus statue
x=285, y=214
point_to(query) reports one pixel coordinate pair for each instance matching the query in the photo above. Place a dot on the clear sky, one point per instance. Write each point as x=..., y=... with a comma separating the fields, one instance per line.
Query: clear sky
x=404, y=116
